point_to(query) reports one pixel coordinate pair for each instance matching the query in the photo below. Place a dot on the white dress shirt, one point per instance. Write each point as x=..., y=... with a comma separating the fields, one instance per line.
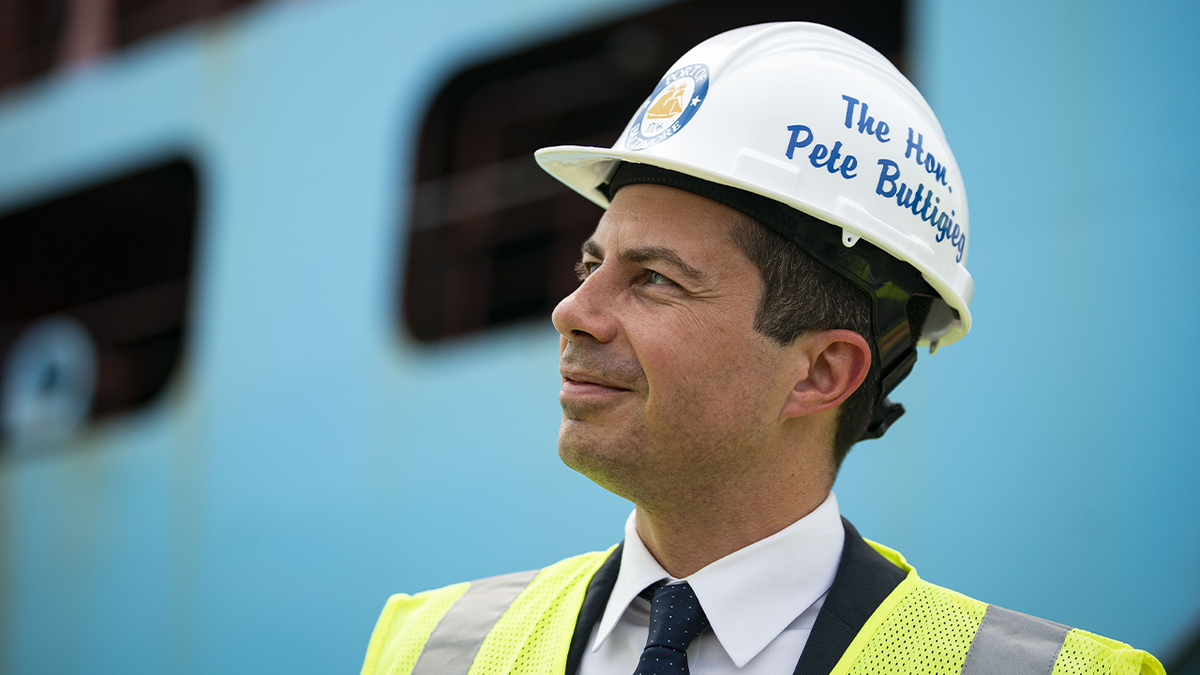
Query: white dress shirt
x=761, y=601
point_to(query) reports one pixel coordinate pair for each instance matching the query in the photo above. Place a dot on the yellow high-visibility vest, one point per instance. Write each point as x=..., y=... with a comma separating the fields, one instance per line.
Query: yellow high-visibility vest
x=523, y=624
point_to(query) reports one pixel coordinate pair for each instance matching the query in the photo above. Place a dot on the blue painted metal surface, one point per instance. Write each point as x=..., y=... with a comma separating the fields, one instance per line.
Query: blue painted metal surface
x=310, y=459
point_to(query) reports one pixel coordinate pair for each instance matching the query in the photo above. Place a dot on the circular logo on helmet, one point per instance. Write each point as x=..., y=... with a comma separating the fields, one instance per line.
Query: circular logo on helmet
x=675, y=100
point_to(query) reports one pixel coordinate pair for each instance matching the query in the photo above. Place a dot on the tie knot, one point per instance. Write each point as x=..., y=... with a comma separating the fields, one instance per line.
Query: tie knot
x=676, y=618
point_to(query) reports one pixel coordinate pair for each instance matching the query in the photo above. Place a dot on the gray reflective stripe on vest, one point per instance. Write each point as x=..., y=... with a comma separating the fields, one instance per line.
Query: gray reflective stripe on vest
x=1010, y=643
x=456, y=639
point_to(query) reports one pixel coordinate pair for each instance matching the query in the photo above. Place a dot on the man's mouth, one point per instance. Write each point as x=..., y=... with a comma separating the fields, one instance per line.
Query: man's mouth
x=578, y=384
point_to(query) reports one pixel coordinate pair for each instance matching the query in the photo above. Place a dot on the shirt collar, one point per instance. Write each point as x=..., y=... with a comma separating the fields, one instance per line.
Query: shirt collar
x=751, y=595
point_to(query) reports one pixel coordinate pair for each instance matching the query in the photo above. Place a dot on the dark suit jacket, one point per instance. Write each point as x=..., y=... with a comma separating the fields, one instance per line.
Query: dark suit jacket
x=864, y=578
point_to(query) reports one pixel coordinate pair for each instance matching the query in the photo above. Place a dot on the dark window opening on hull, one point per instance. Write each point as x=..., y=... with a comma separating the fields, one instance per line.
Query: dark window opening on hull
x=94, y=311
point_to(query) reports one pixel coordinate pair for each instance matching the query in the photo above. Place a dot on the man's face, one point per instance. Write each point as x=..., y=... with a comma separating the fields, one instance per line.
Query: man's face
x=667, y=386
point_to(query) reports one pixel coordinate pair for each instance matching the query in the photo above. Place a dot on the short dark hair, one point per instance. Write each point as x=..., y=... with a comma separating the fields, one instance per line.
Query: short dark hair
x=800, y=295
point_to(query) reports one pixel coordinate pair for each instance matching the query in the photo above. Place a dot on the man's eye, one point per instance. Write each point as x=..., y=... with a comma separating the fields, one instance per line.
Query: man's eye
x=584, y=269
x=658, y=279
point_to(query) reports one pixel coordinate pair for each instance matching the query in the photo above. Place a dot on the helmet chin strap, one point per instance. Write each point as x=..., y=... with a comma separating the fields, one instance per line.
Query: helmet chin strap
x=888, y=281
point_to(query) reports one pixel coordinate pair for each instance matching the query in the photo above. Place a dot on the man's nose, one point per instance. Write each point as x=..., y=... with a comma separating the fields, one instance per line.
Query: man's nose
x=587, y=313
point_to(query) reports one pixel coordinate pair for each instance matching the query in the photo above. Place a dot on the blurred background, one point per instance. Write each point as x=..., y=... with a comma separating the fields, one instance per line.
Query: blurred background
x=275, y=283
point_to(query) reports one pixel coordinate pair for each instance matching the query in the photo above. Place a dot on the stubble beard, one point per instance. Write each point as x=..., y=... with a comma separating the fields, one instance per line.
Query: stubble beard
x=691, y=465
x=612, y=461
x=663, y=454
x=604, y=444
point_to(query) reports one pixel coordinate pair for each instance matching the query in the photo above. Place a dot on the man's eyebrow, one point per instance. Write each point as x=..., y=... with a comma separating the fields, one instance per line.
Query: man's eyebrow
x=647, y=254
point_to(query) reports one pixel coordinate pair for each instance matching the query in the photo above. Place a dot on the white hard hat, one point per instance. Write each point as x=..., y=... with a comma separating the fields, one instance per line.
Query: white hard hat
x=809, y=124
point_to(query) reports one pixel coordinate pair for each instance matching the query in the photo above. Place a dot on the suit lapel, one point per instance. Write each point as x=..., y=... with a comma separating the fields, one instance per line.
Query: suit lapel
x=594, y=601
x=864, y=579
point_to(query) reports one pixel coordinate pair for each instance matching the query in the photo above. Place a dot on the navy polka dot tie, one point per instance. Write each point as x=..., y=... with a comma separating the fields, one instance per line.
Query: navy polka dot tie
x=675, y=620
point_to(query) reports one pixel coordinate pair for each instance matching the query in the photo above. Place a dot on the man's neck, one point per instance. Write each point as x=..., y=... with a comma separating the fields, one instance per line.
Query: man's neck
x=686, y=539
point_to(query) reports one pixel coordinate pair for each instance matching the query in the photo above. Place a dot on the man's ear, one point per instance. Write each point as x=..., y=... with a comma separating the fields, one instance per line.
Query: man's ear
x=830, y=365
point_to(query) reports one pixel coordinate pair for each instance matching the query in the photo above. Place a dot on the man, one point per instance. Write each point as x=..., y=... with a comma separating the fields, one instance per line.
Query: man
x=785, y=225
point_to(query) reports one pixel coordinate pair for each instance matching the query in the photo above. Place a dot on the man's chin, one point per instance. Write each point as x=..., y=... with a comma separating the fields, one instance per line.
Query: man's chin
x=575, y=441
x=609, y=460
